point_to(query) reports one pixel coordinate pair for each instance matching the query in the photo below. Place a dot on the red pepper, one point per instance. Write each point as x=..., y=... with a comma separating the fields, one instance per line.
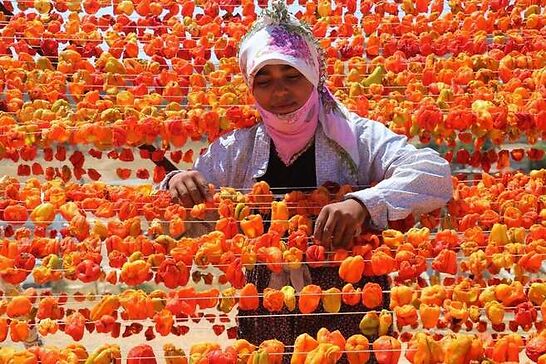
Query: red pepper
x=88, y=271
x=173, y=274
x=315, y=255
x=141, y=354
x=74, y=326
x=525, y=315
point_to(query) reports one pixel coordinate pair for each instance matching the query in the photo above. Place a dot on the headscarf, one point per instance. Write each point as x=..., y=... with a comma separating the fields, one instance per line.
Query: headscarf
x=279, y=38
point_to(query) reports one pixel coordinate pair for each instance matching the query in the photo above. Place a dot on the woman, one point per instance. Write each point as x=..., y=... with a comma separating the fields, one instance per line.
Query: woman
x=305, y=139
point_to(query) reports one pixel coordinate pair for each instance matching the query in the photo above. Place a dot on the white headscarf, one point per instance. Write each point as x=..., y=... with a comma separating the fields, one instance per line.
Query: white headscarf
x=279, y=38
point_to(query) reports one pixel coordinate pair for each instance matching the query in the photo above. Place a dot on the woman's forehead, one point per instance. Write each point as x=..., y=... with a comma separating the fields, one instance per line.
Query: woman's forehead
x=267, y=69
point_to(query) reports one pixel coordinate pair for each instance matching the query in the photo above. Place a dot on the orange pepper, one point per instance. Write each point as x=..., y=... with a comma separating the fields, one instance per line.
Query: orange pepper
x=164, y=321
x=466, y=291
x=43, y=214
x=356, y=349
x=430, y=313
x=372, y=295
x=455, y=310
x=351, y=269
x=3, y=328
x=309, y=300
x=422, y=348
x=47, y=327
x=107, y=306
x=136, y=272
x=174, y=355
x=350, y=296
x=304, y=343
x=273, y=299
x=445, y=262
x=18, y=306
x=248, y=299
x=406, y=315
x=401, y=295
x=279, y=217
x=274, y=349
x=382, y=263
x=505, y=349
x=15, y=214
x=324, y=336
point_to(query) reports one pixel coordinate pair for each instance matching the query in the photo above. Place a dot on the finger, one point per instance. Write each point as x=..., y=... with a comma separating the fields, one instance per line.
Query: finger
x=337, y=233
x=319, y=224
x=328, y=229
x=347, y=238
x=202, y=186
x=193, y=191
x=183, y=195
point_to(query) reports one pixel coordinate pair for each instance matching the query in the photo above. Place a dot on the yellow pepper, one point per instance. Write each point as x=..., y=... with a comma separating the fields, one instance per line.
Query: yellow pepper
x=385, y=322
x=331, y=300
x=252, y=226
x=279, y=217
x=105, y=354
x=462, y=349
x=369, y=325
x=293, y=256
x=499, y=235
x=289, y=297
x=494, y=312
x=174, y=355
x=537, y=293
x=304, y=343
x=228, y=300
x=392, y=238
x=401, y=295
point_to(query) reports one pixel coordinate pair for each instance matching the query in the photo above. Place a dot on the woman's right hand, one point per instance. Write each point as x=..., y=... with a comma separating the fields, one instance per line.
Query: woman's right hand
x=189, y=188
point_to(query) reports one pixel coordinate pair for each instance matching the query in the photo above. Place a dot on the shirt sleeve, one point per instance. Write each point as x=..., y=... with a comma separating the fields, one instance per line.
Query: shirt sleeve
x=409, y=180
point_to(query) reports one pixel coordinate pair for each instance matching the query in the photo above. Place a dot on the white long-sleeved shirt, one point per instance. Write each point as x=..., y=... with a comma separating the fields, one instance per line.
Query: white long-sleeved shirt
x=406, y=179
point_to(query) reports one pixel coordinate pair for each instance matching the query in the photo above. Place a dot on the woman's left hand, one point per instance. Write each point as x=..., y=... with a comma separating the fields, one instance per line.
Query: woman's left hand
x=337, y=222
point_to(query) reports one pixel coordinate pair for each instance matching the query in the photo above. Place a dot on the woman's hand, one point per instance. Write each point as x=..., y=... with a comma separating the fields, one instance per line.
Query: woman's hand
x=338, y=222
x=189, y=187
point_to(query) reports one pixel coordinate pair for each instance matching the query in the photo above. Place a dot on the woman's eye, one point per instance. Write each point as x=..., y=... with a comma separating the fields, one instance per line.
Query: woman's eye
x=262, y=82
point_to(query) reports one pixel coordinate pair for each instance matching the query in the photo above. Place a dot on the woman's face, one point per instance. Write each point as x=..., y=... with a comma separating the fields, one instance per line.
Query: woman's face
x=281, y=89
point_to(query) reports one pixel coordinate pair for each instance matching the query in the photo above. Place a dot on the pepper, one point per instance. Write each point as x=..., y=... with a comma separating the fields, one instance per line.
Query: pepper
x=525, y=315
x=274, y=349
x=172, y=273
x=430, y=313
x=357, y=349
x=243, y=349
x=248, y=297
x=88, y=271
x=369, y=325
x=74, y=326
x=535, y=348
x=43, y=214
x=136, y=305
x=455, y=310
x=401, y=295
x=382, y=263
x=303, y=344
x=331, y=300
x=105, y=354
x=392, y=238
x=323, y=354
x=406, y=315
x=387, y=350
x=107, y=306
x=47, y=327
x=537, y=293
x=228, y=300
x=19, y=330
x=385, y=322
x=289, y=297
x=372, y=295
x=19, y=306
x=445, y=262
x=505, y=349
x=433, y=295
x=423, y=349
x=494, y=312
x=135, y=272
x=350, y=296
x=315, y=255
x=309, y=300
x=351, y=269
x=273, y=299
x=259, y=357
x=293, y=257
x=164, y=321
x=416, y=236
x=499, y=235
x=252, y=226
x=3, y=329
x=462, y=349
x=279, y=217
